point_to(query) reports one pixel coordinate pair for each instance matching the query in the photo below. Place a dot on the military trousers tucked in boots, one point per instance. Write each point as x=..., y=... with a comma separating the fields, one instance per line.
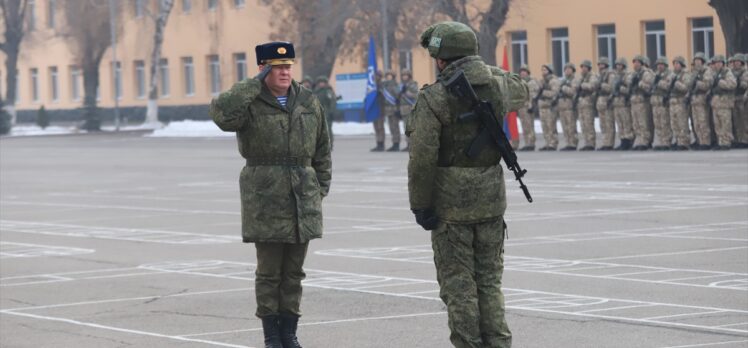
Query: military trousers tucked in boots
x=469, y=262
x=278, y=278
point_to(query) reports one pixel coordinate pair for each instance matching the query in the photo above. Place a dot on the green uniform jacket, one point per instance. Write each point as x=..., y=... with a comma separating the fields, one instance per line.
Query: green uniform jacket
x=440, y=175
x=328, y=99
x=280, y=202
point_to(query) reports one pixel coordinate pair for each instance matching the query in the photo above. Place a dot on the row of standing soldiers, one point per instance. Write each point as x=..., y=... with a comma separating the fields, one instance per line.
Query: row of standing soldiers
x=327, y=97
x=396, y=101
x=641, y=103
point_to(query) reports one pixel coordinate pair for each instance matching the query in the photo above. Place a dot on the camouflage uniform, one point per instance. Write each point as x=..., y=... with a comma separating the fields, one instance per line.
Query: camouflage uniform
x=660, y=112
x=378, y=123
x=586, y=104
x=548, y=117
x=526, y=117
x=680, y=82
x=604, y=105
x=699, y=108
x=621, y=106
x=723, y=101
x=329, y=101
x=390, y=91
x=640, y=84
x=407, y=96
x=464, y=198
x=740, y=112
x=287, y=173
x=565, y=107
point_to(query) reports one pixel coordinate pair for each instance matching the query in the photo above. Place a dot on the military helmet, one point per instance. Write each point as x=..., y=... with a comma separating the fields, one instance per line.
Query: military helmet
x=406, y=72
x=525, y=68
x=570, y=65
x=549, y=67
x=680, y=60
x=622, y=61
x=321, y=79
x=662, y=60
x=642, y=59
x=742, y=57
x=306, y=78
x=700, y=55
x=390, y=72
x=586, y=63
x=718, y=58
x=604, y=60
x=733, y=58
x=449, y=40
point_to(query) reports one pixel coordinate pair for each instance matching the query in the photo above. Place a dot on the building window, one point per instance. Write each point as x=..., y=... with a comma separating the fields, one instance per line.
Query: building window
x=18, y=83
x=606, y=42
x=34, y=84
x=31, y=14
x=117, y=79
x=702, y=32
x=239, y=3
x=139, y=8
x=654, y=35
x=75, y=83
x=240, y=62
x=189, y=76
x=406, y=59
x=54, y=87
x=214, y=66
x=186, y=6
x=51, y=7
x=140, y=79
x=163, y=72
x=212, y=4
x=560, y=48
x=519, y=50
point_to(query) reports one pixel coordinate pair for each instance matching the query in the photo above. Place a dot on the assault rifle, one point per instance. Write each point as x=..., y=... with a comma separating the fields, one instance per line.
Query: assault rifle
x=634, y=84
x=653, y=89
x=554, y=102
x=616, y=91
x=534, y=106
x=715, y=85
x=666, y=99
x=692, y=89
x=491, y=132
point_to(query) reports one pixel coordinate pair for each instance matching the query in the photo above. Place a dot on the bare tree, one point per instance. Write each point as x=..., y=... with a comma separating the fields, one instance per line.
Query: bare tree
x=159, y=21
x=488, y=21
x=87, y=28
x=14, y=20
x=733, y=17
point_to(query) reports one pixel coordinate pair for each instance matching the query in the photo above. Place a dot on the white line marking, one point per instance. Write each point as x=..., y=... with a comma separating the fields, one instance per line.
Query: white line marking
x=683, y=315
x=667, y=254
x=707, y=344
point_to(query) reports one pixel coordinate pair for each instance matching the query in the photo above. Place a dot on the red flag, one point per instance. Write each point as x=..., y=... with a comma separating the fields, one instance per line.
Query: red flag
x=511, y=118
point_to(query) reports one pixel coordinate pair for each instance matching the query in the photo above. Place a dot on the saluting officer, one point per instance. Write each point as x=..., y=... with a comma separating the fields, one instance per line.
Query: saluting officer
x=282, y=134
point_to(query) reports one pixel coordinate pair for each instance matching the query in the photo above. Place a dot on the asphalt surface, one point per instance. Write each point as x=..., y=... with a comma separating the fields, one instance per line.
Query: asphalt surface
x=123, y=240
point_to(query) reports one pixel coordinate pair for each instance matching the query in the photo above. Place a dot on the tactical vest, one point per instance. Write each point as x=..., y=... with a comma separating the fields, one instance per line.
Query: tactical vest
x=675, y=93
x=739, y=91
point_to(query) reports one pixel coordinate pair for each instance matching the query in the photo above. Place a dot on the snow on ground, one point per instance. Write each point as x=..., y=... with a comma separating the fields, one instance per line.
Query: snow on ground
x=31, y=130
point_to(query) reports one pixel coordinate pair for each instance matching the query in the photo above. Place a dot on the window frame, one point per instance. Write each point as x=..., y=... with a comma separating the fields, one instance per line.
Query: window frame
x=660, y=37
x=54, y=84
x=141, y=90
x=163, y=78
x=188, y=71
x=610, y=40
x=76, y=74
x=708, y=37
x=519, y=45
x=240, y=58
x=564, y=46
x=214, y=61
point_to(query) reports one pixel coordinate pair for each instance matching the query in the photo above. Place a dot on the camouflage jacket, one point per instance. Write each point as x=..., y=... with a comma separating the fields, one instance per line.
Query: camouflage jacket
x=588, y=88
x=741, y=76
x=440, y=175
x=607, y=82
x=281, y=202
x=533, y=87
x=661, y=88
x=408, y=93
x=567, y=92
x=552, y=87
x=328, y=99
x=390, y=90
x=724, y=83
x=681, y=86
x=640, y=91
x=622, y=77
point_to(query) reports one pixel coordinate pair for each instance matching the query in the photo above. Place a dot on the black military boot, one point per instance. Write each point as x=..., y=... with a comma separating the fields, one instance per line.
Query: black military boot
x=288, y=324
x=528, y=148
x=271, y=330
x=395, y=147
x=379, y=147
x=624, y=145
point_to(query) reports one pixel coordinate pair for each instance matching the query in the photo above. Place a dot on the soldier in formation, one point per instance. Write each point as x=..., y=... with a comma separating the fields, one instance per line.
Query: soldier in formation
x=660, y=105
x=529, y=110
x=406, y=98
x=390, y=91
x=585, y=104
x=565, y=106
x=462, y=199
x=679, y=86
x=722, y=100
x=329, y=100
x=549, y=90
x=740, y=113
x=605, y=104
x=282, y=134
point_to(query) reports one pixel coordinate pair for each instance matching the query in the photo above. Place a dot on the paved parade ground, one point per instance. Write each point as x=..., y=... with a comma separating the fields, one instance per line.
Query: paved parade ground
x=124, y=240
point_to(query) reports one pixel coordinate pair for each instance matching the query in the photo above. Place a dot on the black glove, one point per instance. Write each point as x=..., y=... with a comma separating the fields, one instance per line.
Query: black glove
x=426, y=218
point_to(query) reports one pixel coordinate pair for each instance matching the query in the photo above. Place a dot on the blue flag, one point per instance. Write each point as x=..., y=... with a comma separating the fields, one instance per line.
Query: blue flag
x=371, y=107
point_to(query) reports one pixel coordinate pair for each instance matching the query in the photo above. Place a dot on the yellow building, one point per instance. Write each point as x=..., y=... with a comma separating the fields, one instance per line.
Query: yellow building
x=209, y=45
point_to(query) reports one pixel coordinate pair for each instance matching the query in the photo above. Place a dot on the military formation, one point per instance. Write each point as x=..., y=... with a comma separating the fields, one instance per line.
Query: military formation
x=665, y=107
x=396, y=101
x=326, y=94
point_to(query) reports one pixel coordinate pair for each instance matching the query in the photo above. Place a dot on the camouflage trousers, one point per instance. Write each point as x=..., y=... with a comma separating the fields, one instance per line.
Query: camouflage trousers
x=624, y=122
x=661, y=117
x=469, y=262
x=528, y=126
x=740, y=120
x=548, y=123
x=329, y=128
x=569, y=125
x=587, y=120
x=641, y=114
x=392, y=122
x=607, y=122
x=679, y=121
x=700, y=114
x=278, y=278
x=722, y=106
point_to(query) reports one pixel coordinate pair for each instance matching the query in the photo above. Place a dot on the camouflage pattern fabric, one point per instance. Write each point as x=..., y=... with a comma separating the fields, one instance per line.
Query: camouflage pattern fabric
x=607, y=118
x=588, y=89
x=278, y=278
x=740, y=113
x=469, y=197
x=526, y=118
x=699, y=107
x=281, y=203
x=566, y=111
x=408, y=93
x=641, y=110
x=622, y=110
x=391, y=89
x=548, y=116
x=660, y=112
x=678, y=110
x=327, y=97
x=723, y=101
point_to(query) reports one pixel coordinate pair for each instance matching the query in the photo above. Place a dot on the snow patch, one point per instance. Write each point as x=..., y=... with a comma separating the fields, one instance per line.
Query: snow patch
x=189, y=128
